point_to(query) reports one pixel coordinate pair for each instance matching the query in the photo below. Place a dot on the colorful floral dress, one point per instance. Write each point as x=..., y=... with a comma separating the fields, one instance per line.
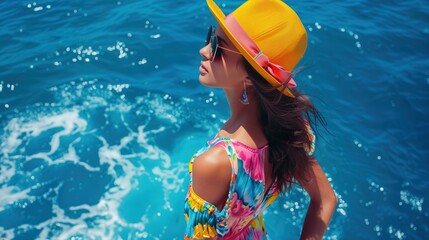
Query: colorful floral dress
x=241, y=217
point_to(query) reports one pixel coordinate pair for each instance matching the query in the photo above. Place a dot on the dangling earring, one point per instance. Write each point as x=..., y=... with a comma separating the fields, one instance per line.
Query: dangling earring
x=244, y=98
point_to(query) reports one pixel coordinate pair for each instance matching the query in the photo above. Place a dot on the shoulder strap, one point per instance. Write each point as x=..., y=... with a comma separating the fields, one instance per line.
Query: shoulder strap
x=232, y=154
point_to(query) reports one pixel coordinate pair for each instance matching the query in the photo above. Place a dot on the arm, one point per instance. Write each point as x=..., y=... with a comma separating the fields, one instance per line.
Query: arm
x=211, y=176
x=322, y=204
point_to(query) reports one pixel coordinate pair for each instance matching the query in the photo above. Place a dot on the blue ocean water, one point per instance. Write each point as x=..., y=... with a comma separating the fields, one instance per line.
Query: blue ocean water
x=101, y=109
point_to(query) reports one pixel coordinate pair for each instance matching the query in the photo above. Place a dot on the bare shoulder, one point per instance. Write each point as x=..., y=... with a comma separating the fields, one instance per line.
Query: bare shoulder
x=212, y=162
x=211, y=176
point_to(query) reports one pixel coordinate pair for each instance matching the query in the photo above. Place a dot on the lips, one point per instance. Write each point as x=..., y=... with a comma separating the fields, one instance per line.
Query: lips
x=202, y=69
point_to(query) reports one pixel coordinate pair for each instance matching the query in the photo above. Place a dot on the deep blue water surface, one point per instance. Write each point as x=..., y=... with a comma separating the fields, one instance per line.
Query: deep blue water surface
x=101, y=109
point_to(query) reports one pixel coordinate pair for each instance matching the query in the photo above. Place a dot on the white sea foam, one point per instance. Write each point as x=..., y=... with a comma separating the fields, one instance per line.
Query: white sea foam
x=12, y=141
x=7, y=234
x=65, y=132
x=12, y=194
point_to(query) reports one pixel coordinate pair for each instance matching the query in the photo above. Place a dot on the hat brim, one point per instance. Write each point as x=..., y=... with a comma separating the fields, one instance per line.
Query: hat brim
x=220, y=18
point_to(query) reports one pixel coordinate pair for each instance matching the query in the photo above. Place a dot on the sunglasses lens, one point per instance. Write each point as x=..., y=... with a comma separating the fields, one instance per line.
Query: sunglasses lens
x=213, y=44
x=209, y=35
x=214, y=49
x=212, y=39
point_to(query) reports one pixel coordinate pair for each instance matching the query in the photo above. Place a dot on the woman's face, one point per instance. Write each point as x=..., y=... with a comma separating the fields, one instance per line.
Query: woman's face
x=227, y=70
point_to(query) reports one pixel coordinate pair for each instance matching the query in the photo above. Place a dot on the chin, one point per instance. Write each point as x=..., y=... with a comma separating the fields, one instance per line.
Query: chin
x=205, y=81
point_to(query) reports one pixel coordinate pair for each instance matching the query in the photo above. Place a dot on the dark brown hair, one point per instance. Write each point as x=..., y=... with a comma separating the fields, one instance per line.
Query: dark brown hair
x=284, y=121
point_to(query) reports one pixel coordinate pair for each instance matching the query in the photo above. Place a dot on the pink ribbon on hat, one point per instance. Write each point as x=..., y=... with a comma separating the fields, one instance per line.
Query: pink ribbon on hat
x=278, y=72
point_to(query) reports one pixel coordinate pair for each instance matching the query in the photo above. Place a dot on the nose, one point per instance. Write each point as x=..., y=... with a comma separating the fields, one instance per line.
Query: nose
x=205, y=52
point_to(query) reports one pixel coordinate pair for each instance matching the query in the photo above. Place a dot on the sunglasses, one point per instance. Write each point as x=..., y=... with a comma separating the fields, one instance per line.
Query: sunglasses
x=215, y=48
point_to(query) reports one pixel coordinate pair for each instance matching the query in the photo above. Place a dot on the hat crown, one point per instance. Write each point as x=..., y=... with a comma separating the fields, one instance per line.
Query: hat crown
x=275, y=28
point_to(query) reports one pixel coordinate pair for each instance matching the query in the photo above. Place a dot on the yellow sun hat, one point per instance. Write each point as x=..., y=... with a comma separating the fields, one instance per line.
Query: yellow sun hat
x=270, y=36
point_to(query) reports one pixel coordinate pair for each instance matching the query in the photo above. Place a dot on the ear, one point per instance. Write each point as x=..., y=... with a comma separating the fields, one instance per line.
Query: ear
x=248, y=81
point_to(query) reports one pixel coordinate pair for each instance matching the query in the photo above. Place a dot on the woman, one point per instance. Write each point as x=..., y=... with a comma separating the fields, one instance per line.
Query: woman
x=267, y=143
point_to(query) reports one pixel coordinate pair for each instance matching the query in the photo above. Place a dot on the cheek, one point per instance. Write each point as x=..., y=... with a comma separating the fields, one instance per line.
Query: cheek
x=236, y=73
x=219, y=72
x=223, y=74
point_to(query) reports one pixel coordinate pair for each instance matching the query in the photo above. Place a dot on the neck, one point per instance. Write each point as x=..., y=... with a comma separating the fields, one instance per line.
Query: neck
x=244, y=119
